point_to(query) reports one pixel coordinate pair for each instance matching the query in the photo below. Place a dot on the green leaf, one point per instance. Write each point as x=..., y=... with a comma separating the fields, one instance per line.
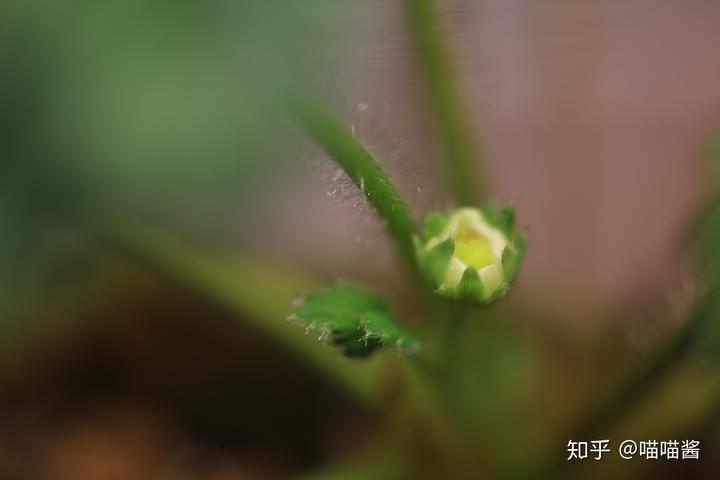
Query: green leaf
x=354, y=319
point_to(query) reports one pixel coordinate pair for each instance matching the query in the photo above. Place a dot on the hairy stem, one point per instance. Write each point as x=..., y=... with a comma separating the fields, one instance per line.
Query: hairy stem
x=367, y=174
x=445, y=101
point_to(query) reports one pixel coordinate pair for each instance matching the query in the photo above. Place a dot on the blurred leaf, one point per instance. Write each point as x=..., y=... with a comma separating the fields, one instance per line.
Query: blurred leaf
x=355, y=319
x=684, y=402
x=161, y=108
x=712, y=152
x=377, y=467
x=704, y=235
x=263, y=293
x=704, y=231
x=708, y=334
x=149, y=100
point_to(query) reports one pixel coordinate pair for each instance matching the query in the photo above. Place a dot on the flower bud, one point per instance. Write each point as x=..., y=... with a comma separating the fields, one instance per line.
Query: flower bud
x=471, y=255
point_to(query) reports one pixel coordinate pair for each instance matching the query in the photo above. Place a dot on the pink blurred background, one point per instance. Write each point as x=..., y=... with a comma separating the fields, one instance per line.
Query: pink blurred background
x=592, y=116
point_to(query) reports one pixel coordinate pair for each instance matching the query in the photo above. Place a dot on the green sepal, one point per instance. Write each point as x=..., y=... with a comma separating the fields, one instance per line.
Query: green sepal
x=499, y=293
x=513, y=255
x=503, y=219
x=434, y=224
x=470, y=289
x=354, y=319
x=434, y=262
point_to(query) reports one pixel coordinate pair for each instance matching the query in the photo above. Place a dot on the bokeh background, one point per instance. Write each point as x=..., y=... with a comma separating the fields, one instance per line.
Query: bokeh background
x=159, y=211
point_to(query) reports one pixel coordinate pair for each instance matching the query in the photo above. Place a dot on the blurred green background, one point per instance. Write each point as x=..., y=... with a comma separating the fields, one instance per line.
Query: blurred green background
x=159, y=213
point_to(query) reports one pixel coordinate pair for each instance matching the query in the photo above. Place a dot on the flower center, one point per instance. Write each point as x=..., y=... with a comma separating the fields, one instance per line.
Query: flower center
x=474, y=251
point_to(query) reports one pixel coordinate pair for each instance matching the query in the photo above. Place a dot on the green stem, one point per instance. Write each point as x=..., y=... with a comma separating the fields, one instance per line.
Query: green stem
x=445, y=102
x=367, y=174
x=638, y=385
x=452, y=330
x=635, y=388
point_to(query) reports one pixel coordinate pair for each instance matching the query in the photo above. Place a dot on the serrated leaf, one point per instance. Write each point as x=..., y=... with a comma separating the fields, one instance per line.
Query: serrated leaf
x=380, y=327
x=355, y=320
